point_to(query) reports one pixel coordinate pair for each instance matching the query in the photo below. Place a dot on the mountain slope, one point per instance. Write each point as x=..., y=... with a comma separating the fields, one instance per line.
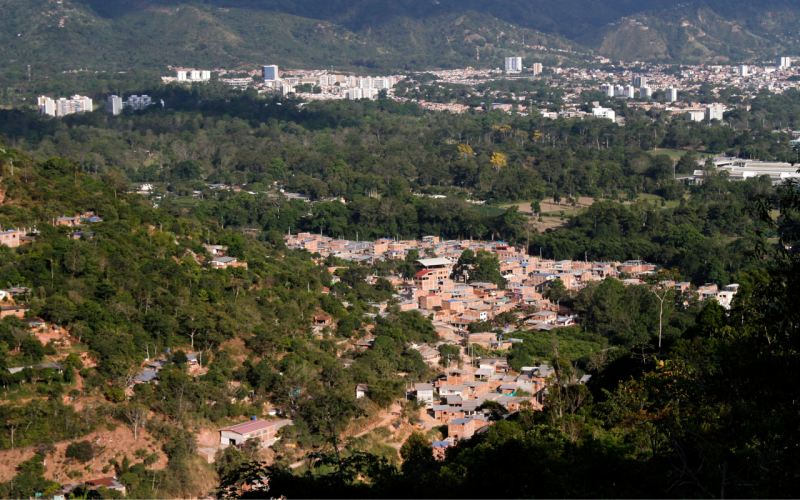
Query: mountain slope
x=393, y=35
x=705, y=32
x=70, y=34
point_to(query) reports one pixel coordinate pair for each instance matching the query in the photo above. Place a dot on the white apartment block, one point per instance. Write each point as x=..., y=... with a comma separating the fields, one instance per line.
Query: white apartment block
x=287, y=89
x=607, y=89
x=513, y=64
x=604, y=113
x=357, y=93
x=645, y=92
x=364, y=82
x=114, y=104
x=537, y=69
x=181, y=76
x=63, y=106
x=639, y=81
x=715, y=112
x=744, y=70
x=383, y=82
x=629, y=91
x=671, y=94
x=783, y=62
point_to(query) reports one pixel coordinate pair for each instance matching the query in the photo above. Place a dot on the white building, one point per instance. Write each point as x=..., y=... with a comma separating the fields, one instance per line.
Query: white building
x=181, y=76
x=383, y=83
x=255, y=429
x=205, y=75
x=364, y=82
x=744, y=70
x=357, y=93
x=47, y=106
x=607, y=89
x=629, y=91
x=671, y=94
x=639, y=81
x=604, y=113
x=114, y=105
x=696, y=115
x=537, y=69
x=513, y=64
x=270, y=72
x=287, y=89
x=194, y=75
x=783, y=62
x=645, y=92
x=714, y=112
x=64, y=106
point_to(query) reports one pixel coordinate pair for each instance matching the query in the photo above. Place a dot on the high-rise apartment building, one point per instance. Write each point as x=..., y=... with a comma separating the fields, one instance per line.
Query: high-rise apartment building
x=744, y=70
x=783, y=62
x=114, y=104
x=181, y=76
x=205, y=75
x=364, y=82
x=271, y=72
x=671, y=94
x=47, y=106
x=537, y=69
x=64, y=106
x=715, y=112
x=513, y=64
x=607, y=89
x=639, y=81
x=139, y=102
x=645, y=92
x=383, y=83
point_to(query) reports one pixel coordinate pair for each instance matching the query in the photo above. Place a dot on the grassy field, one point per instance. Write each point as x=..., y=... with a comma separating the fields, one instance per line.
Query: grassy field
x=490, y=211
x=677, y=153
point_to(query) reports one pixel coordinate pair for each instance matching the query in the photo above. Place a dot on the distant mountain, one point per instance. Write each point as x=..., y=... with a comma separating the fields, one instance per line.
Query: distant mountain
x=703, y=32
x=399, y=34
x=72, y=34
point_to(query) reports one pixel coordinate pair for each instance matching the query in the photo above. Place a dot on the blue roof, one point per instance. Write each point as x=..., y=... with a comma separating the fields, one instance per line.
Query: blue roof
x=460, y=421
x=146, y=376
x=442, y=444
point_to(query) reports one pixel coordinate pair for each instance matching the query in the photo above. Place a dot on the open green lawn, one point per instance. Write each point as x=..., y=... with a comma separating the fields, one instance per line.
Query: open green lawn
x=677, y=153
x=490, y=211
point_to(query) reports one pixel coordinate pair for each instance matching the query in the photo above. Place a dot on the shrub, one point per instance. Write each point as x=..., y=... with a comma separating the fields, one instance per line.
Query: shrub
x=82, y=451
x=115, y=394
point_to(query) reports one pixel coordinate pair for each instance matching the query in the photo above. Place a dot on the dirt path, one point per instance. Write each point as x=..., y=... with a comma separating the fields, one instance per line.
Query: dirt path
x=393, y=413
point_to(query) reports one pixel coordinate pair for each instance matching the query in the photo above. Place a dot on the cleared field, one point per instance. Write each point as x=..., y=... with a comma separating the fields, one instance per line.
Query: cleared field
x=677, y=153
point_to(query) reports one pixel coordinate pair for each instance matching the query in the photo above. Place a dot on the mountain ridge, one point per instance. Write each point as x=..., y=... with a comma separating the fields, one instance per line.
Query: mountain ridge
x=399, y=35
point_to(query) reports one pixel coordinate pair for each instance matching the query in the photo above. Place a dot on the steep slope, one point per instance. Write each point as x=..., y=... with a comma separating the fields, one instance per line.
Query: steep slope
x=56, y=34
x=701, y=33
x=398, y=34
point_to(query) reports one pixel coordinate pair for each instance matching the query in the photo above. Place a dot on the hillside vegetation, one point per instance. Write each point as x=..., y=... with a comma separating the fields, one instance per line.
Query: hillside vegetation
x=410, y=34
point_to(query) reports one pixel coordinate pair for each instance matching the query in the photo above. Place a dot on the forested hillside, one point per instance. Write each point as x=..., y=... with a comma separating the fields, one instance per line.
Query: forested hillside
x=686, y=396
x=54, y=36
